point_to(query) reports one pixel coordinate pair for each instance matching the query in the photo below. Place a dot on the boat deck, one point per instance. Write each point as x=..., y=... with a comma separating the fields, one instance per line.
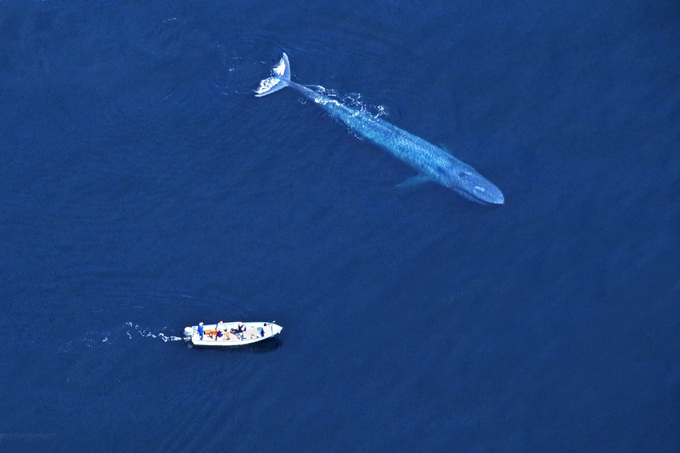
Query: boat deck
x=231, y=336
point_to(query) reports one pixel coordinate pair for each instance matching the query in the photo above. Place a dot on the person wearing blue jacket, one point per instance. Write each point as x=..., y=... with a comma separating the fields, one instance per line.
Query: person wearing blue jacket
x=200, y=330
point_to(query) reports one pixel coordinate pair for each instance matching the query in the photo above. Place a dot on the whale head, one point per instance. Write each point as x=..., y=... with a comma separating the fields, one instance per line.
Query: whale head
x=475, y=187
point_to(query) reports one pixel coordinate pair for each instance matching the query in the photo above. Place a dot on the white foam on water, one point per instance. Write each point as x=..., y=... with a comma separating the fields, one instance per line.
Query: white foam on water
x=147, y=333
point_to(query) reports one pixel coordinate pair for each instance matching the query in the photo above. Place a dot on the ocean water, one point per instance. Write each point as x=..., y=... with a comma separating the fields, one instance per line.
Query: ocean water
x=143, y=188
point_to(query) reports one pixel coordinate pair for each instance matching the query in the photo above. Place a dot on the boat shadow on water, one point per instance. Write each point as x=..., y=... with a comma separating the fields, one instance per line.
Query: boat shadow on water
x=263, y=346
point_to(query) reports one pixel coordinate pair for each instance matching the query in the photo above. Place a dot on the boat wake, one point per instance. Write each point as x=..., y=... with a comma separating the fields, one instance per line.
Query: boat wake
x=136, y=330
x=129, y=331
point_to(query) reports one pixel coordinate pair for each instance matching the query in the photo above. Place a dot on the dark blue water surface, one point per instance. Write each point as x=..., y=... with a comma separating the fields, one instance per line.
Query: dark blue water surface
x=143, y=188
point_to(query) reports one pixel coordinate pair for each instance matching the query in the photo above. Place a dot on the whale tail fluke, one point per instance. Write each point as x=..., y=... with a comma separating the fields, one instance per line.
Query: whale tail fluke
x=279, y=79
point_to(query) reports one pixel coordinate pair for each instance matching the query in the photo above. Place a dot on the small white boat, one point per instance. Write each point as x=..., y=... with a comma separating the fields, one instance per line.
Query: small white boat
x=225, y=334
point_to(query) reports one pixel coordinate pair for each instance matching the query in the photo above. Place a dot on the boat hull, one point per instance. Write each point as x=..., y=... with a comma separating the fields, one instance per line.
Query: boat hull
x=251, y=332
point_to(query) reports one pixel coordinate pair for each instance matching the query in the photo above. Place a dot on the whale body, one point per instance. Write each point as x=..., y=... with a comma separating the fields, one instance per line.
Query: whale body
x=432, y=163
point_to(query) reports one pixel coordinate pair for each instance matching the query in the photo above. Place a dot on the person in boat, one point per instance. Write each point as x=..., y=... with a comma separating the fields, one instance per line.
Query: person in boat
x=200, y=330
x=219, y=330
x=239, y=331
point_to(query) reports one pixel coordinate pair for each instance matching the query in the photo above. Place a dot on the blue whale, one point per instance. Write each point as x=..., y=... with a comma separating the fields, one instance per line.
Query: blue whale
x=432, y=163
